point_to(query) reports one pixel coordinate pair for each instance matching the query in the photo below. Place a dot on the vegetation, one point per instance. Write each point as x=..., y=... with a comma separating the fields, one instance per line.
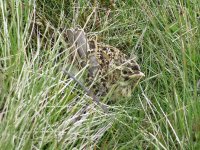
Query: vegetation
x=42, y=108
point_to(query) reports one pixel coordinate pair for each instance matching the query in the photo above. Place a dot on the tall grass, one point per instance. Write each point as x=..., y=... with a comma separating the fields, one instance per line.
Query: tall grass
x=42, y=108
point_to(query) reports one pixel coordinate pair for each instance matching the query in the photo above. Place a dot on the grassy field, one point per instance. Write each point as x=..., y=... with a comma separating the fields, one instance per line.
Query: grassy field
x=40, y=107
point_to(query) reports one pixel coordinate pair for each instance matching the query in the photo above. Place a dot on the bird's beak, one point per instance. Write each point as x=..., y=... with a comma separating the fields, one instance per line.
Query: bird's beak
x=138, y=75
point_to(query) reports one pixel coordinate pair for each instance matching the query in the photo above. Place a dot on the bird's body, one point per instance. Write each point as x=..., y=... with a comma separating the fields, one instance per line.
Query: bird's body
x=107, y=65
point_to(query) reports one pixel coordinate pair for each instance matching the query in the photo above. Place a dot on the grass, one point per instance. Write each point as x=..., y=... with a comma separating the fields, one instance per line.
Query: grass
x=39, y=105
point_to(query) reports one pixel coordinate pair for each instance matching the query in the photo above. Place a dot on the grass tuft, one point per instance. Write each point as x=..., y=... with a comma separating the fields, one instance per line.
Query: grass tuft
x=42, y=108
